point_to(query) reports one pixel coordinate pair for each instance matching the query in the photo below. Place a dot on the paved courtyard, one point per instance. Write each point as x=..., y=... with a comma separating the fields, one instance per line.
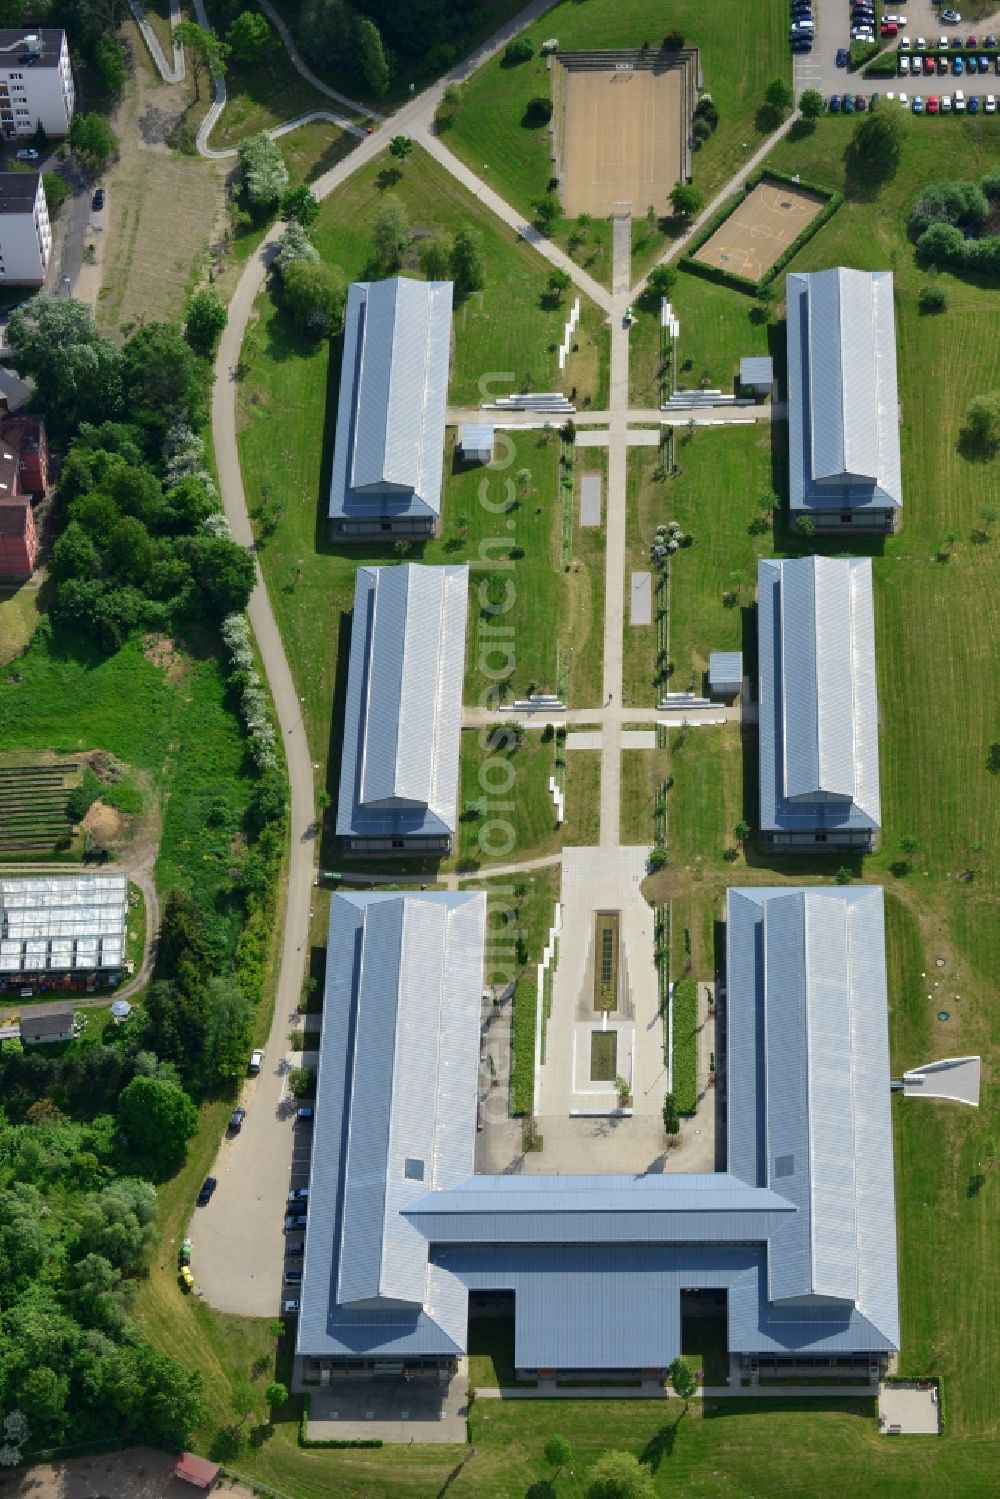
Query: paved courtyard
x=908, y=1410
x=393, y=1410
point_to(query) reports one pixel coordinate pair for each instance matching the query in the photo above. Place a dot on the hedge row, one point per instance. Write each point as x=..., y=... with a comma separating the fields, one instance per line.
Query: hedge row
x=522, y=1072
x=743, y=283
x=685, y=1059
x=883, y=66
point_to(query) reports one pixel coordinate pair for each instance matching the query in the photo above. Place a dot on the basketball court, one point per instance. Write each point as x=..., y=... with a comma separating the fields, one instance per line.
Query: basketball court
x=622, y=142
x=760, y=229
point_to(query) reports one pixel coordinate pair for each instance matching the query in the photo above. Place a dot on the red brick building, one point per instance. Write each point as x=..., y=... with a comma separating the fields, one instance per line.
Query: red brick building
x=24, y=472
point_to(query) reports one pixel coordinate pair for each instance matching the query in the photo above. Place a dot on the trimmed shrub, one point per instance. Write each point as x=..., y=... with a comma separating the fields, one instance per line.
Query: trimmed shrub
x=522, y=1075
x=685, y=1058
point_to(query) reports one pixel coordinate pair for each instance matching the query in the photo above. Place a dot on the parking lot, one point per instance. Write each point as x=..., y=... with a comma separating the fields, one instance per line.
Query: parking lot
x=818, y=69
x=238, y=1248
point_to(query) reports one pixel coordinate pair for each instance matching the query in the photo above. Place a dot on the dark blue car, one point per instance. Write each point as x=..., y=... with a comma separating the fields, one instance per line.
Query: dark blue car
x=842, y=57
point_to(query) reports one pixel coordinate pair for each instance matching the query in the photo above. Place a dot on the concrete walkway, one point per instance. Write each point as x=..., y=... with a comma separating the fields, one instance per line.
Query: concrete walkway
x=478, y=718
x=648, y=1390
x=169, y=74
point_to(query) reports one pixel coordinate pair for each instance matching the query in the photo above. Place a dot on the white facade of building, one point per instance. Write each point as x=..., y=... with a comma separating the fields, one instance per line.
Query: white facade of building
x=36, y=82
x=25, y=231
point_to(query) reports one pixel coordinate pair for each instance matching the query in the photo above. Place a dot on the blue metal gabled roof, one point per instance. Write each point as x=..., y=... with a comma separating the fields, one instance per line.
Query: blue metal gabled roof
x=808, y=1092
x=395, y=1115
x=389, y=452
x=403, y=712
x=843, y=412
x=818, y=705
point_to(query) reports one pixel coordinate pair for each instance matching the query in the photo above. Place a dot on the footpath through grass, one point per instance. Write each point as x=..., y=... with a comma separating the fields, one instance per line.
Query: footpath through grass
x=742, y=49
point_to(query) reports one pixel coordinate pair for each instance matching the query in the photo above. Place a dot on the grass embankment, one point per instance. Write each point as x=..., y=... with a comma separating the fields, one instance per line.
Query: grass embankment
x=742, y=49
x=939, y=680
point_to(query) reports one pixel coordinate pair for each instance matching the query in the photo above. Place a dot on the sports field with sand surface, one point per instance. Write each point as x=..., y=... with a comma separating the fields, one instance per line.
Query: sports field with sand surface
x=761, y=228
x=621, y=139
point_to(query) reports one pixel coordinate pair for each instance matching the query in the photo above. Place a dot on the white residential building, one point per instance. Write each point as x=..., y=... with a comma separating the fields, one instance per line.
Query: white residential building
x=25, y=232
x=36, y=81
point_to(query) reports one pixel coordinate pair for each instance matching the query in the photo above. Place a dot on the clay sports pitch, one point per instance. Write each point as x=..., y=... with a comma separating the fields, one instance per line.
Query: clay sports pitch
x=770, y=217
x=622, y=132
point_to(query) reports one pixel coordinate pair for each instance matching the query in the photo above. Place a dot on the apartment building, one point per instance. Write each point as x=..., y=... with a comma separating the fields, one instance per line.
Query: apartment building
x=25, y=231
x=36, y=81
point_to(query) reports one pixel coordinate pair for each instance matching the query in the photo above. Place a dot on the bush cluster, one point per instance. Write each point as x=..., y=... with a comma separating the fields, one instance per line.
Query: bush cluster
x=946, y=221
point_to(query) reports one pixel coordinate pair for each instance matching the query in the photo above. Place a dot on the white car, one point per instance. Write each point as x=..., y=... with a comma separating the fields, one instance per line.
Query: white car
x=959, y=102
x=862, y=34
x=904, y=44
x=904, y=65
x=903, y=99
x=256, y=1063
x=942, y=44
x=921, y=43
x=916, y=65
x=991, y=104
x=27, y=154
x=893, y=20
x=946, y=104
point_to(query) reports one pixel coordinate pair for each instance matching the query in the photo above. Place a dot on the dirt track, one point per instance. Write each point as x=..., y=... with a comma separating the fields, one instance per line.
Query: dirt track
x=138, y=1473
x=621, y=140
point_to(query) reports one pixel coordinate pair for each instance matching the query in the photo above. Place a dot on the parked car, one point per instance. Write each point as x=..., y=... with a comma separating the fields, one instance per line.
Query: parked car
x=946, y=104
x=991, y=104
x=295, y=1248
x=236, y=1119
x=256, y=1062
x=860, y=103
x=862, y=34
x=298, y=1194
x=305, y=1115
x=848, y=104
x=916, y=64
x=904, y=65
x=957, y=66
x=942, y=65
x=843, y=57
x=959, y=102
x=918, y=104
x=973, y=104
x=802, y=44
x=921, y=44
x=990, y=41
x=27, y=153
x=293, y=1277
x=932, y=104
x=208, y=1186
x=294, y=1223
x=996, y=64
x=904, y=44
x=289, y=1308
x=834, y=104
x=888, y=29
x=950, y=17
x=984, y=63
x=186, y=1278
x=972, y=41
x=956, y=44
x=97, y=201
x=873, y=100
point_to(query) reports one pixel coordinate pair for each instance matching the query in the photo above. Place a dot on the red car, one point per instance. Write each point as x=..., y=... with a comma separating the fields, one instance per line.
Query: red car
x=932, y=104
x=860, y=102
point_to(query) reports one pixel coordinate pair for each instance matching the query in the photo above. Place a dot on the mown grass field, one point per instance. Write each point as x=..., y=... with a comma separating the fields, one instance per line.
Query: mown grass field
x=939, y=681
x=585, y=583
x=644, y=500
x=642, y=772
x=717, y=330
x=742, y=49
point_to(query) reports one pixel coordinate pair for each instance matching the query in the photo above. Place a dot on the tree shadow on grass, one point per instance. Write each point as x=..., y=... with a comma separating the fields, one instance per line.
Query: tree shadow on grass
x=864, y=179
x=661, y=1443
x=974, y=447
x=388, y=178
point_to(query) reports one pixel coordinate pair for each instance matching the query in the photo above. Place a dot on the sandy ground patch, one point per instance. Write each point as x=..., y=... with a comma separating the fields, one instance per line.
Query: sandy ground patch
x=770, y=217
x=139, y=1473
x=103, y=823
x=622, y=139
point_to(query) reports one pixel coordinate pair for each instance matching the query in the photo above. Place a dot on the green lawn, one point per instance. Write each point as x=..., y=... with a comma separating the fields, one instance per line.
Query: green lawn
x=742, y=49
x=603, y=1056
x=717, y=330
x=585, y=584
x=506, y=334
x=646, y=508
x=521, y=777
x=642, y=772
x=939, y=681
x=174, y=724
x=266, y=94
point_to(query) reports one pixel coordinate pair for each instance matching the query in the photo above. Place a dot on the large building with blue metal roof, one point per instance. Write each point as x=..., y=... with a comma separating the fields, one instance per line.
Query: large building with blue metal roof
x=798, y=1232
x=844, y=469
x=399, y=768
x=818, y=715
x=388, y=456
